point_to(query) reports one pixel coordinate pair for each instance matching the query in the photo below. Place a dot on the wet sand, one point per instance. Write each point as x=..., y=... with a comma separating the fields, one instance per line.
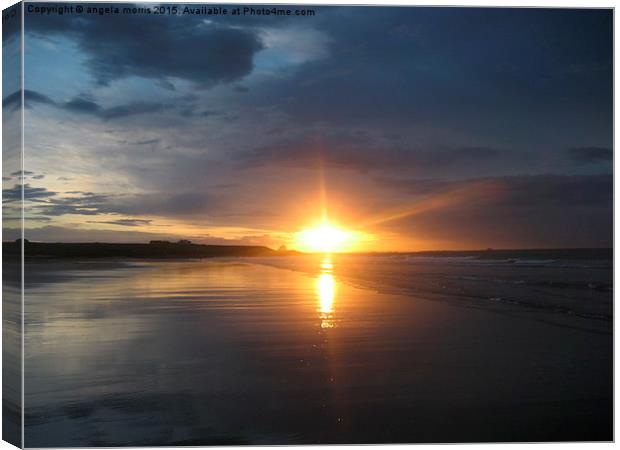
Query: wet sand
x=232, y=352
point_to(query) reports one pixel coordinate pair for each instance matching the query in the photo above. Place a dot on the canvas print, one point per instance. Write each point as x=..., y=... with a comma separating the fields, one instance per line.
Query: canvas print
x=230, y=224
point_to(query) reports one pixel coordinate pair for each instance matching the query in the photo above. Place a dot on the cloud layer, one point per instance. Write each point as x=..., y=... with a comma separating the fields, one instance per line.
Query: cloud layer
x=462, y=126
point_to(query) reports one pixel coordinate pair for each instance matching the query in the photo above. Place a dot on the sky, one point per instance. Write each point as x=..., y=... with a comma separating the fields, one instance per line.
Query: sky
x=417, y=128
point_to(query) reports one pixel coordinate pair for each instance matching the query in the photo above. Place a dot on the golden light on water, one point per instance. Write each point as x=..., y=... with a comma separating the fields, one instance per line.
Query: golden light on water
x=326, y=288
x=326, y=265
x=326, y=293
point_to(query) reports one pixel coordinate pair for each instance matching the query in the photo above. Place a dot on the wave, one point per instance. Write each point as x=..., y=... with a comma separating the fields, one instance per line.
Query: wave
x=517, y=262
x=561, y=288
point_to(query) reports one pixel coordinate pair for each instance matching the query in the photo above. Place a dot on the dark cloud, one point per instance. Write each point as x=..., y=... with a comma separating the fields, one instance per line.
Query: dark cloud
x=418, y=186
x=146, y=142
x=442, y=70
x=28, y=219
x=84, y=203
x=85, y=105
x=510, y=212
x=195, y=110
x=159, y=47
x=521, y=191
x=82, y=105
x=13, y=101
x=30, y=193
x=20, y=173
x=359, y=152
x=590, y=155
x=11, y=26
x=131, y=109
x=564, y=191
x=126, y=222
x=54, y=209
x=473, y=152
x=50, y=203
x=307, y=152
x=178, y=205
x=32, y=97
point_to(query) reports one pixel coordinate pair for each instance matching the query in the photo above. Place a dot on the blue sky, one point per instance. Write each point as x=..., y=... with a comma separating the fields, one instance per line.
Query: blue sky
x=480, y=127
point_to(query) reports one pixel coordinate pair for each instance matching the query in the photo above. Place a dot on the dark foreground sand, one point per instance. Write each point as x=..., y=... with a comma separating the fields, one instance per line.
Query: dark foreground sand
x=232, y=352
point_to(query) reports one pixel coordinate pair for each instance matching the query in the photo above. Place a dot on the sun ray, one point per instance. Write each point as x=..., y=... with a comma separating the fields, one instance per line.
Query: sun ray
x=460, y=195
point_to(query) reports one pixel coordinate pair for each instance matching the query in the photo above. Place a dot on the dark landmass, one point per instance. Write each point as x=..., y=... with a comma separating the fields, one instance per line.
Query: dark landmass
x=154, y=250
x=186, y=249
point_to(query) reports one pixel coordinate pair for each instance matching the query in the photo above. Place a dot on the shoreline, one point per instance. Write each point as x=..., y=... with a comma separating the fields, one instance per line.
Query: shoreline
x=185, y=249
x=458, y=374
x=529, y=308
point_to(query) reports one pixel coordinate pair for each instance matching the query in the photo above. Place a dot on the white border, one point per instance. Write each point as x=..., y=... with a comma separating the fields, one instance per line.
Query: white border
x=478, y=3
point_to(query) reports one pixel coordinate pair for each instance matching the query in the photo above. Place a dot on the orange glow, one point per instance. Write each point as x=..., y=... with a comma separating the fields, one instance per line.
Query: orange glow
x=325, y=238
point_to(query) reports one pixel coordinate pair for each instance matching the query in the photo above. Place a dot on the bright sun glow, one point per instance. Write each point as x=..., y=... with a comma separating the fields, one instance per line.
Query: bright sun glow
x=324, y=238
x=326, y=288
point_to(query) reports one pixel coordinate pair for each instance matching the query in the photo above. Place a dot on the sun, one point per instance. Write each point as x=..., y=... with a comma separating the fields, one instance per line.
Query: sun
x=325, y=238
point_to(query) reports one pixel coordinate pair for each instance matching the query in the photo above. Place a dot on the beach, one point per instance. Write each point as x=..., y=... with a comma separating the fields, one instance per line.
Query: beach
x=315, y=349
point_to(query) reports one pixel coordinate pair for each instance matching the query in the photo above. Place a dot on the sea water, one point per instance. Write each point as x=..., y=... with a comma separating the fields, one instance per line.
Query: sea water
x=317, y=349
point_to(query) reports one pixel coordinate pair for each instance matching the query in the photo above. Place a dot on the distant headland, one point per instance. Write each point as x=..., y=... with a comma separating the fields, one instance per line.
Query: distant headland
x=158, y=249
x=154, y=249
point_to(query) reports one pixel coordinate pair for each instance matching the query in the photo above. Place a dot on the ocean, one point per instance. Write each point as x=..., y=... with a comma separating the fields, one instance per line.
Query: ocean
x=382, y=348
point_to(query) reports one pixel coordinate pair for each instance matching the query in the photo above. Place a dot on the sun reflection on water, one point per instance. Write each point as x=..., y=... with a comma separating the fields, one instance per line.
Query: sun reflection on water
x=326, y=293
x=326, y=266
